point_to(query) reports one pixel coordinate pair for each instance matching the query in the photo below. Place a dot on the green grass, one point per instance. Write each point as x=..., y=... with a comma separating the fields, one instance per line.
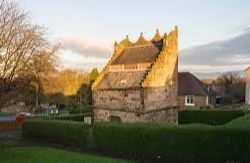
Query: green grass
x=48, y=155
x=241, y=122
x=4, y=114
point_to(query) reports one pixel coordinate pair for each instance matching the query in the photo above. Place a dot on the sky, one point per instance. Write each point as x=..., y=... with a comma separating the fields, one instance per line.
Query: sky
x=214, y=36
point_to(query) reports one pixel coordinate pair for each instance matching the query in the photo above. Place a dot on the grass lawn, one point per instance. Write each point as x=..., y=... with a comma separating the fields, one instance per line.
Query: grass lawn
x=4, y=114
x=48, y=155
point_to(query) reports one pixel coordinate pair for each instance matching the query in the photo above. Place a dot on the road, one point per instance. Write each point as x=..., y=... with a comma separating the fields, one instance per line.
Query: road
x=7, y=118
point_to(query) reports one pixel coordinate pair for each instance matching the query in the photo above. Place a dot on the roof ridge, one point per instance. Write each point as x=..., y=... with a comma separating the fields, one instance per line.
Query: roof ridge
x=144, y=45
x=201, y=84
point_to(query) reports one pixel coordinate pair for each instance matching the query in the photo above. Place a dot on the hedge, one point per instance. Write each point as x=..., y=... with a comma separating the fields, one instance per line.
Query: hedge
x=76, y=117
x=151, y=141
x=240, y=123
x=66, y=132
x=212, y=117
x=182, y=142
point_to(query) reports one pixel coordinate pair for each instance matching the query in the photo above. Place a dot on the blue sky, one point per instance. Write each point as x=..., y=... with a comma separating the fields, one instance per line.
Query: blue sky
x=83, y=26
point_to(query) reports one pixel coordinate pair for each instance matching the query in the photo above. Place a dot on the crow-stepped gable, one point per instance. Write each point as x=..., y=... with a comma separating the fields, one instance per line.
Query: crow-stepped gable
x=139, y=82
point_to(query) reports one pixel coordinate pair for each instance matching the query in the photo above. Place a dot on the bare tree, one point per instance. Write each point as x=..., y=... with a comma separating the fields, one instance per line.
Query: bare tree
x=231, y=86
x=21, y=47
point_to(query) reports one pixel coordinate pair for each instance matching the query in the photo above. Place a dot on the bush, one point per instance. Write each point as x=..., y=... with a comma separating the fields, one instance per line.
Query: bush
x=77, y=117
x=241, y=122
x=182, y=142
x=212, y=117
x=151, y=141
x=66, y=132
x=75, y=109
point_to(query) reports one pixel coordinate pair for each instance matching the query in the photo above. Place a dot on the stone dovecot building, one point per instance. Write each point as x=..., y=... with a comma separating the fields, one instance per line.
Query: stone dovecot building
x=139, y=83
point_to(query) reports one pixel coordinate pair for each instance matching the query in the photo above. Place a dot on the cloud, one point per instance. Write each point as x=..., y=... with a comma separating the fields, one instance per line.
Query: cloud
x=231, y=54
x=83, y=53
x=71, y=60
x=226, y=55
x=86, y=47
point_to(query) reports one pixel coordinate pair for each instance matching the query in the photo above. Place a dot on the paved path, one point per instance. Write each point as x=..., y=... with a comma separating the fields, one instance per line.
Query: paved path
x=7, y=118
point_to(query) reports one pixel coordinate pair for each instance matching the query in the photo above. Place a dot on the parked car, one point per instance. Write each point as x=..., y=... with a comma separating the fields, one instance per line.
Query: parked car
x=19, y=117
x=22, y=115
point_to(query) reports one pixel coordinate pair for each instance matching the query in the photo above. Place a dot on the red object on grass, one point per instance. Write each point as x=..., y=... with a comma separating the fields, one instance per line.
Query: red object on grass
x=19, y=117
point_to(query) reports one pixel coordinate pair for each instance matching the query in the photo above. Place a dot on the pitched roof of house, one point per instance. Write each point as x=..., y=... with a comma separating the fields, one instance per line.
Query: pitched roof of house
x=132, y=61
x=139, y=54
x=131, y=79
x=122, y=80
x=188, y=84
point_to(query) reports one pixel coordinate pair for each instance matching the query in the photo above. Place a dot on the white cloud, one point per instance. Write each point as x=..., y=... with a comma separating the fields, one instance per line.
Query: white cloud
x=225, y=55
x=83, y=53
x=71, y=60
x=86, y=47
x=210, y=69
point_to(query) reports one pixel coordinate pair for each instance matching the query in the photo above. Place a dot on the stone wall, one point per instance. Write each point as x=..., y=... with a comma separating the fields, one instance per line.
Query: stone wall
x=169, y=115
x=158, y=98
x=129, y=100
x=247, y=96
x=162, y=97
x=159, y=88
x=104, y=115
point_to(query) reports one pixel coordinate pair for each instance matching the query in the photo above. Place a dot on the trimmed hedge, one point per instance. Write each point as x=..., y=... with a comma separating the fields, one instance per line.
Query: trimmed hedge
x=241, y=122
x=66, y=132
x=151, y=141
x=182, y=142
x=212, y=117
x=76, y=117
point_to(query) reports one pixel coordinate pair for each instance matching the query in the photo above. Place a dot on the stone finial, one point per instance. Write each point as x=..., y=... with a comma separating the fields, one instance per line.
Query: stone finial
x=141, y=40
x=165, y=34
x=115, y=47
x=165, y=40
x=157, y=36
x=126, y=42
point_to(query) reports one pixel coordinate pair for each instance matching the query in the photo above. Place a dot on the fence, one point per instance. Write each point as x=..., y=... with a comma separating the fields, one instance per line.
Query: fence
x=10, y=126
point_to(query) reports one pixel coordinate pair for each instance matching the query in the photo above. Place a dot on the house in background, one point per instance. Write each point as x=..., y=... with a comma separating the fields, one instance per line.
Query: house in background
x=193, y=93
x=247, y=95
x=139, y=83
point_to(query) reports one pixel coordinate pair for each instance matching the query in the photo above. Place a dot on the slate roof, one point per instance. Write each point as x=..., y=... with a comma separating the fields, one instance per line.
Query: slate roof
x=188, y=84
x=122, y=80
x=139, y=54
x=130, y=79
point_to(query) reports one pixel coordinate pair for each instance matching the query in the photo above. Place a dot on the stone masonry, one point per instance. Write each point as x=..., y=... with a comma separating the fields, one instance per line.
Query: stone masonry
x=139, y=83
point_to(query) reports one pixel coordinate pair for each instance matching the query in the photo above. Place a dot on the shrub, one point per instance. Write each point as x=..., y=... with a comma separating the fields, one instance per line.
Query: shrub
x=173, y=142
x=66, y=132
x=75, y=109
x=76, y=117
x=241, y=122
x=212, y=117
